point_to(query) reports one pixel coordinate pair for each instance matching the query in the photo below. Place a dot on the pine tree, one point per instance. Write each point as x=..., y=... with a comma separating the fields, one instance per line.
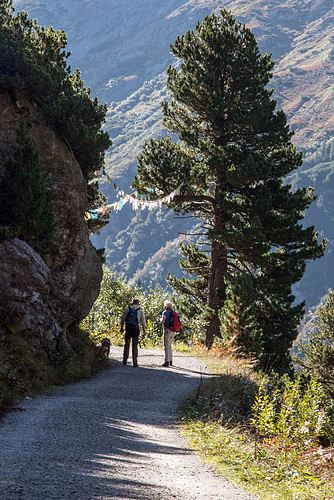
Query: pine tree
x=27, y=207
x=230, y=137
x=317, y=358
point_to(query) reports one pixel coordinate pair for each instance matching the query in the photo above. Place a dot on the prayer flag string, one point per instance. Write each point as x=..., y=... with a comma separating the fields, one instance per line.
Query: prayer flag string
x=133, y=199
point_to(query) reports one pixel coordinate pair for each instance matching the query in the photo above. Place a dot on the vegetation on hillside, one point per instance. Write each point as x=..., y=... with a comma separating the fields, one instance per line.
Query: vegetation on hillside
x=129, y=122
x=318, y=171
x=232, y=158
x=146, y=248
x=26, y=371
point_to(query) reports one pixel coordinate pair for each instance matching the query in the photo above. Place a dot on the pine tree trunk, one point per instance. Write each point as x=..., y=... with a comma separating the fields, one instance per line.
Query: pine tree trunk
x=217, y=284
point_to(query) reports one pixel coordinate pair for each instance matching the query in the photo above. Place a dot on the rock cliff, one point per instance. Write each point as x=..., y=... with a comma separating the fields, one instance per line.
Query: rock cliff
x=47, y=299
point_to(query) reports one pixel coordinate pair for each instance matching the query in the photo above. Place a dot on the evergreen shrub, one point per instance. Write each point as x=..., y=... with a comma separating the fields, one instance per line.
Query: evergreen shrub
x=26, y=201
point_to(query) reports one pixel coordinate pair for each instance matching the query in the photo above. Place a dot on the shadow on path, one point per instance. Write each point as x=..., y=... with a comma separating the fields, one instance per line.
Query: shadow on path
x=108, y=437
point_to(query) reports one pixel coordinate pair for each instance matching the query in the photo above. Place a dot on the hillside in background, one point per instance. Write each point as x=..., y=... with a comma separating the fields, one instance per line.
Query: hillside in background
x=122, y=50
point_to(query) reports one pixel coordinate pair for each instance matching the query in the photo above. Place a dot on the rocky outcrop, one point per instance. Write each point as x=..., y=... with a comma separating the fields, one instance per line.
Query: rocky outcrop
x=26, y=292
x=72, y=272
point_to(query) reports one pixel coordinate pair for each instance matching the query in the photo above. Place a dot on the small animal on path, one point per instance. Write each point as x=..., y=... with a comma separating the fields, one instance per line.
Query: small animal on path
x=105, y=347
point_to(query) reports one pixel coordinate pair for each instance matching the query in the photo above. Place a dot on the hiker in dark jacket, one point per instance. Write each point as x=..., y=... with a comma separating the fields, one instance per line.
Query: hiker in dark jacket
x=133, y=316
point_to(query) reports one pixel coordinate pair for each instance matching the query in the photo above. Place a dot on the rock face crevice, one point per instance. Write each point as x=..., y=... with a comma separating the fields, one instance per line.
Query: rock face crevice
x=53, y=295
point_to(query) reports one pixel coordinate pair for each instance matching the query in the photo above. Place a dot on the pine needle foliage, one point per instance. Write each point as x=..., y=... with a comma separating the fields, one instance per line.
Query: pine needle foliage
x=317, y=360
x=238, y=318
x=231, y=137
x=193, y=291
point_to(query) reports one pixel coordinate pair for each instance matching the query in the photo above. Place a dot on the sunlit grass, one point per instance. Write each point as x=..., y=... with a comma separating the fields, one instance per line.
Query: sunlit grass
x=215, y=420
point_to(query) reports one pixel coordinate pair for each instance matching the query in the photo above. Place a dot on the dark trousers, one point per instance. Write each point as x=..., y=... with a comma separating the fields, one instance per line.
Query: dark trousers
x=131, y=333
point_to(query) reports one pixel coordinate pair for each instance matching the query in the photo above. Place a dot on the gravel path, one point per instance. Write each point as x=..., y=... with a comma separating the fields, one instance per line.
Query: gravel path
x=110, y=437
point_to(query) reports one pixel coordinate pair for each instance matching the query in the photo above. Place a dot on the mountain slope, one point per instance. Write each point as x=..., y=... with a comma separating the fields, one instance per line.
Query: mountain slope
x=120, y=46
x=122, y=50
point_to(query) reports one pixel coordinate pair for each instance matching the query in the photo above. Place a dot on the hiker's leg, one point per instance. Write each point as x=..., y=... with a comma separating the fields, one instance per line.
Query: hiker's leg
x=126, y=346
x=133, y=333
x=171, y=339
x=165, y=341
x=168, y=339
x=135, y=339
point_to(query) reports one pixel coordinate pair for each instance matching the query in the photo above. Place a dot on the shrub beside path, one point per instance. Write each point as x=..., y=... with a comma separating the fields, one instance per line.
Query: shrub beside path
x=110, y=437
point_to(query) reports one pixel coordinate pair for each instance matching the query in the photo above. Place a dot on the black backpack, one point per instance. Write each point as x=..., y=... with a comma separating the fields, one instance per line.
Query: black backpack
x=132, y=318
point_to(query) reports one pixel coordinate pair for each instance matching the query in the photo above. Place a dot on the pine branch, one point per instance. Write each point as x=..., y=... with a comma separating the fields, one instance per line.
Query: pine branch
x=185, y=217
x=195, y=199
x=193, y=234
x=197, y=270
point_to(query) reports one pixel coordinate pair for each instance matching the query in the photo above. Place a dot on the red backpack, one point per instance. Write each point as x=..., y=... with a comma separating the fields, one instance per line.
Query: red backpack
x=175, y=322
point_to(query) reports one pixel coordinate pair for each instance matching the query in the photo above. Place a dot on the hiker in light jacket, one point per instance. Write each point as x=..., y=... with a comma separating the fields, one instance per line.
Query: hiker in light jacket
x=133, y=316
x=168, y=335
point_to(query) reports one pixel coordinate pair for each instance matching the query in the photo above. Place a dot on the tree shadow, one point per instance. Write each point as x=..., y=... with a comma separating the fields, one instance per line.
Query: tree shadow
x=95, y=439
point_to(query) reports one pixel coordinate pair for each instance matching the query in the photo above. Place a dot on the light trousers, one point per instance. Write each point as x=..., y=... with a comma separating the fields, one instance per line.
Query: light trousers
x=168, y=340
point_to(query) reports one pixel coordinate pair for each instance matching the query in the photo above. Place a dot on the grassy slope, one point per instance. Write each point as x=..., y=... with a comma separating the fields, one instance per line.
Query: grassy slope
x=26, y=371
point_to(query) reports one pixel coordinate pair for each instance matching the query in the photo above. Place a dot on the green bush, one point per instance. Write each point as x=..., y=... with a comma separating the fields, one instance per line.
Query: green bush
x=104, y=317
x=297, y=416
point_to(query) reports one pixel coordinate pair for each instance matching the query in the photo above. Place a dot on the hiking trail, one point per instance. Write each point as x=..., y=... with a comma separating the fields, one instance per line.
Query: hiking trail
x=110, y=437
